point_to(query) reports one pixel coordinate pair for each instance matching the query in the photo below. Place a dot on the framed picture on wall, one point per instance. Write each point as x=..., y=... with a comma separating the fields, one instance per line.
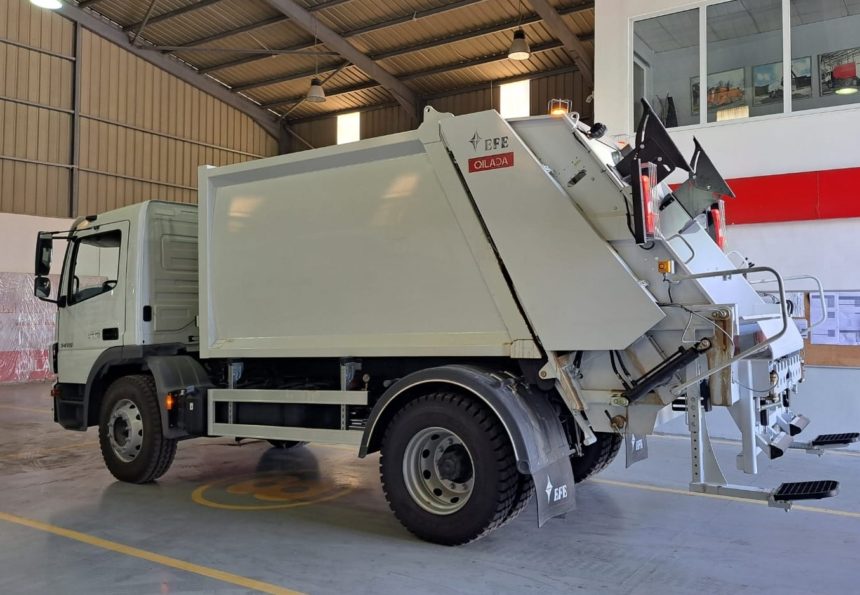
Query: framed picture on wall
x=839, y=72
x=768, y=84
x=725, y=89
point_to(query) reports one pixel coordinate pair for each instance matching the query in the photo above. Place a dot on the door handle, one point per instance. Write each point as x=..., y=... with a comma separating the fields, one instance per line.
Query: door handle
x=110, y=334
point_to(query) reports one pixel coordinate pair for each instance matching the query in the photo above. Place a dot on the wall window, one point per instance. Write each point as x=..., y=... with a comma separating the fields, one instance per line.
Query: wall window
x=348, y=128
x=666, y=66
x=744, y=59
x=745, y=74
x=514, y=99
x=825, y=50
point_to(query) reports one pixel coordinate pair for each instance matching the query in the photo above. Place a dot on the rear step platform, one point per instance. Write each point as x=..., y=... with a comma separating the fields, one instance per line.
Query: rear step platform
x=806, y=490
x=798, y=424
x=836, y=439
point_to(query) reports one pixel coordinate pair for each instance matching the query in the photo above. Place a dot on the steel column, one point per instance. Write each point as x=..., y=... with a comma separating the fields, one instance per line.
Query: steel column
x=74, y=175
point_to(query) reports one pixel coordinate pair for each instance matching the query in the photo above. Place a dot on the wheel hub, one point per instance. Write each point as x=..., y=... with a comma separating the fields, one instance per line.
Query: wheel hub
x=438, y=470
x=125, y=430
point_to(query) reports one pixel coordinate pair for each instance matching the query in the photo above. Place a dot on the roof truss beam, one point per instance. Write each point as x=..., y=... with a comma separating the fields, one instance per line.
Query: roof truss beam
x=204, y=3
x=544, y=47
x=577, y=50
x=408, y=49
x=116, y=35
x=302, y=17
x=172, y=14
x=421, y=14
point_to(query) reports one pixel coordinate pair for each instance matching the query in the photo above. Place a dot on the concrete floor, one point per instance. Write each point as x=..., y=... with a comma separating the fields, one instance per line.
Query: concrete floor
x=314, y=520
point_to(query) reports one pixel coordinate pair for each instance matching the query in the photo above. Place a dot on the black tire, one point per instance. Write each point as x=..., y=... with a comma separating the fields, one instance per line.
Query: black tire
x=495, y=479
x=525, y=491
x=285, y=444
x=155, y=453
x=596, y=457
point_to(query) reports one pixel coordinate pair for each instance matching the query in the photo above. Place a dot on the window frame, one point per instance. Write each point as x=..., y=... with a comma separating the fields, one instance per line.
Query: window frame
x=702, y=7
x=73, y=248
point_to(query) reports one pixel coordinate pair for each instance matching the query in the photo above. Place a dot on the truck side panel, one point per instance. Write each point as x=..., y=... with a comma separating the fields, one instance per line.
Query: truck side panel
x=356, y=252
x=168, y=313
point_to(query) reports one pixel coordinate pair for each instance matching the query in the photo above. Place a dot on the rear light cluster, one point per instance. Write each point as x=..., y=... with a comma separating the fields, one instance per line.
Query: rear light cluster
x=716, y=223
x=646, y=204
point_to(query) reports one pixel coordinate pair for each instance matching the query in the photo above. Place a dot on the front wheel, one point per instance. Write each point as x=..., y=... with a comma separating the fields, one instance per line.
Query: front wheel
x=132, y=444
x=448, y=469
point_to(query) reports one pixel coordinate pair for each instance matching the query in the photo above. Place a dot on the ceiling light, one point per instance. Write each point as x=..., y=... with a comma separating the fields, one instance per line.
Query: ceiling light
x=846, y=90
x=49, y=4
x=315, y=93
x=519, y=47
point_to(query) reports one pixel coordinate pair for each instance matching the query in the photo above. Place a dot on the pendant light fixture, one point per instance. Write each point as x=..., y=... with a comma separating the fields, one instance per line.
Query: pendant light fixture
x=315, y=93
x=519, y=46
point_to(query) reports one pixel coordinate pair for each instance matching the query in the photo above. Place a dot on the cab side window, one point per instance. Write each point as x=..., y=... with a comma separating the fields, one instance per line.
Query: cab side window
x=95, y=268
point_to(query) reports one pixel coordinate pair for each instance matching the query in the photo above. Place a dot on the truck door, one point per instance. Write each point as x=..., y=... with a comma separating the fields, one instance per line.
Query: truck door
x=92, y=296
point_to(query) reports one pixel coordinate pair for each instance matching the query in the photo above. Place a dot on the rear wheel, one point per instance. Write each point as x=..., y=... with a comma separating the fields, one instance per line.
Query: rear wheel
x=132, y=443
x=448, y=469
x=596, y=457
x=525, y=491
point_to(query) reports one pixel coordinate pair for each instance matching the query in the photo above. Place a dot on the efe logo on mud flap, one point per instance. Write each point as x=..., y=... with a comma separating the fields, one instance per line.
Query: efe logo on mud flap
x=554, y=494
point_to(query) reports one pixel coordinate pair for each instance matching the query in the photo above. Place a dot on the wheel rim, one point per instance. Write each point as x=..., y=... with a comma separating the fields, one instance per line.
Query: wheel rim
x=125, y=430
x=438, y=470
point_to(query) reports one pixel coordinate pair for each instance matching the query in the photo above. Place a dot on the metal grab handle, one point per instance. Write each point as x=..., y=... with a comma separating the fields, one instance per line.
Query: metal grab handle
x=755, y=348
x=683, y=239
x=824, y=311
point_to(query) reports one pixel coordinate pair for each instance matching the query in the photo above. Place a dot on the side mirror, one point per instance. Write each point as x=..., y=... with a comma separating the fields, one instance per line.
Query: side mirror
x=42, y=289
x=44, y=248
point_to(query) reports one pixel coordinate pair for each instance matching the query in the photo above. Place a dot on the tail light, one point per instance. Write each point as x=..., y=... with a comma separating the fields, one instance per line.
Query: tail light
x=716, y=224
x=646, y=204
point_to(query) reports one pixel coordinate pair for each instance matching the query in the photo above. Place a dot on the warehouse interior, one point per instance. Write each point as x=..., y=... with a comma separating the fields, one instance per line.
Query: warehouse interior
x=333, y=127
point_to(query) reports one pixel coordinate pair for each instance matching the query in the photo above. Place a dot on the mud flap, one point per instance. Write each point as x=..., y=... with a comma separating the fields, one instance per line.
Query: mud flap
x=635, y=448
x=548, y=456
x=554, y=490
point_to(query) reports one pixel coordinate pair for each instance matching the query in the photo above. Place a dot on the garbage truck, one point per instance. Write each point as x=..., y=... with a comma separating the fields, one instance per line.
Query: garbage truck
x=495, y=306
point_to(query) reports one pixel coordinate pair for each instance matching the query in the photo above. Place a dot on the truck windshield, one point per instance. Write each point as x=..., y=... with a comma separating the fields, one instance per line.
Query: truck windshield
x=95, y=266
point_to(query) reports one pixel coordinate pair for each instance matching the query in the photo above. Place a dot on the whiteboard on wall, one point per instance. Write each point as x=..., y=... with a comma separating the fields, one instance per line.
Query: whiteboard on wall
x=824, y=248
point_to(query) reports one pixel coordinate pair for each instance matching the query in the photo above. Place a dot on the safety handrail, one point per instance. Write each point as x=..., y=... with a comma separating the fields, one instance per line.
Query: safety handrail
x=727, y=273
x=820, y=294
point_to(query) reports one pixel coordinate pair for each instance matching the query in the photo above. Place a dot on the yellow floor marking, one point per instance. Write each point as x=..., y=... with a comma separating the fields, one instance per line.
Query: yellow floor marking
x=681, y=492
x=31, y=409
x=198, y=496
x=39, y=451
x=134, y=552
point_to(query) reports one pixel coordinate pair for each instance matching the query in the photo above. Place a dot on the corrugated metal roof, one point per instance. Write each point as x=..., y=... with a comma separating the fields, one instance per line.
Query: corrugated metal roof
x=434, y=46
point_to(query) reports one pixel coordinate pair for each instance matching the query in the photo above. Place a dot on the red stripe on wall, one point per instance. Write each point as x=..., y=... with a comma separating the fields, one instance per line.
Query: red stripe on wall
x=804, y=196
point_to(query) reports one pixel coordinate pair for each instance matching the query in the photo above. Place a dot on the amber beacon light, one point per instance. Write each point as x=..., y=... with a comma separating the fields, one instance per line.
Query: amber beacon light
x=558, y=107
